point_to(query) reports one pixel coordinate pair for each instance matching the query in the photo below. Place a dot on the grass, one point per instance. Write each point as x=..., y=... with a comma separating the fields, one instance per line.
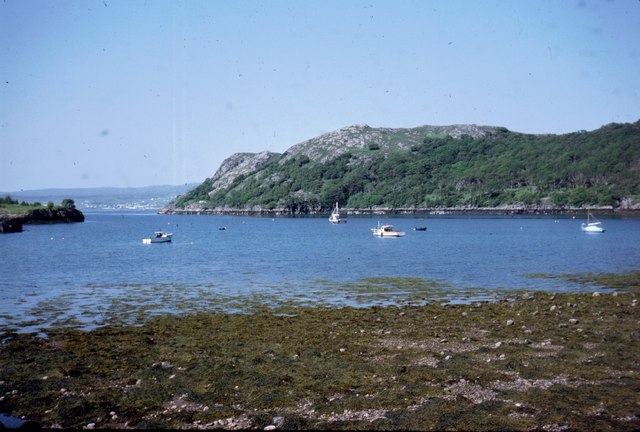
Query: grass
x=534, y=360
x=17, y=209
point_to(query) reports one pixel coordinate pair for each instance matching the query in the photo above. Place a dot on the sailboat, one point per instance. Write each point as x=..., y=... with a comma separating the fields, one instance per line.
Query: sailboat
x=335, y=215
x=592, y=227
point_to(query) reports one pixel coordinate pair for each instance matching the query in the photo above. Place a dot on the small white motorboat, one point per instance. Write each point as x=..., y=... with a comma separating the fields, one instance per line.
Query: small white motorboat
x=386, y=231
x=158, y=237
x=335, y=215
x=592, y=227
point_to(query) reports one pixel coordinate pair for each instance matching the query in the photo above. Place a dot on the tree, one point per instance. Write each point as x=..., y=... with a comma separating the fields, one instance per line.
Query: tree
x=68, y=203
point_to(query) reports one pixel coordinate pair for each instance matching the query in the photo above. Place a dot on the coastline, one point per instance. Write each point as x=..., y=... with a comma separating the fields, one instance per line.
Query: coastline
x=376, y=211
x=11, y=223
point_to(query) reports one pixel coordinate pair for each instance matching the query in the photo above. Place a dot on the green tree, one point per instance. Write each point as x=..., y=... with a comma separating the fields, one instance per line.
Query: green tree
x=68, y=203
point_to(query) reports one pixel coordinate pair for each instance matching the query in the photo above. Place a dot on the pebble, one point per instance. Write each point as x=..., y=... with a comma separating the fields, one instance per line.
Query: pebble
x=596, y=294
x=552, y=308
x=574, y=321
x=509, y=322
x=498, y=344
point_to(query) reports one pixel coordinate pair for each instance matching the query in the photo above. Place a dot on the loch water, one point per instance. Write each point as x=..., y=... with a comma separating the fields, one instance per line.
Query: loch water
x=88, y=274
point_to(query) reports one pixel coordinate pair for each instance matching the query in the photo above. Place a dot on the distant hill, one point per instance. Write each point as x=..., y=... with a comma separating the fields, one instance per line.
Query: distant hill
x=107, y=198
x=459, y=166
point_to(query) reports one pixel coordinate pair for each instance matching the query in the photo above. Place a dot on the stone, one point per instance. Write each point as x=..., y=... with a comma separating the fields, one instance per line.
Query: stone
x=162, y=365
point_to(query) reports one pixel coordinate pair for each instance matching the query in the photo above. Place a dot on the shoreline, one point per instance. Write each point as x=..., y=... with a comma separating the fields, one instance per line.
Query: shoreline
x=435, y=211
x=11, y=223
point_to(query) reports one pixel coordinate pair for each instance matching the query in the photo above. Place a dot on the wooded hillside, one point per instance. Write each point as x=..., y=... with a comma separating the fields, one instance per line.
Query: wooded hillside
x=421, y=168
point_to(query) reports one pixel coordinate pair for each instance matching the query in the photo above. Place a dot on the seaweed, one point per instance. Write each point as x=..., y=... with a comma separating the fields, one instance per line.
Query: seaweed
x=527, y=360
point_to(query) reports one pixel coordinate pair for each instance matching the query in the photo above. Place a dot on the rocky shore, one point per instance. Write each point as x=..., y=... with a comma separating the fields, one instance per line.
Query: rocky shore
x=10, y=223
x=468, y=210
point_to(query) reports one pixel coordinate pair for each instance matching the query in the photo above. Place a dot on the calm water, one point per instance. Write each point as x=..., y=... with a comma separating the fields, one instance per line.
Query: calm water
x=85, y=274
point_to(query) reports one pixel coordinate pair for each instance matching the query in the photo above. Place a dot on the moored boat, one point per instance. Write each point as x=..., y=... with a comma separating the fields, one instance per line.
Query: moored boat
x=335, y=215
x=386, y=231
x=592, y=227
x=420, y=228
x=158, y=237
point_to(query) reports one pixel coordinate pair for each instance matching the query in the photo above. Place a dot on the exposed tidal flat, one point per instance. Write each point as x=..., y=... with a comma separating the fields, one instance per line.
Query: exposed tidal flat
x=526, y=360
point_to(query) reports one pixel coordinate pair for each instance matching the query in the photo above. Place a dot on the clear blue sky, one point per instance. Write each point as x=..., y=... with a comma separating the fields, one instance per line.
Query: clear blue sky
x=135, y=93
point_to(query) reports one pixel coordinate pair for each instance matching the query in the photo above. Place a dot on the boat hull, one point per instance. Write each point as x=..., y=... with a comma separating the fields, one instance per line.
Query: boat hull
x=592, y=228
x=159, y=238
x=152, y=240
x=380, y=233
x=401, y=234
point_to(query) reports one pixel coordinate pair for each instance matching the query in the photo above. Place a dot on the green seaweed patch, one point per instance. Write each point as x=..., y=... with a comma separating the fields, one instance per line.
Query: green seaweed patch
x=628, y=281
x=529, y=360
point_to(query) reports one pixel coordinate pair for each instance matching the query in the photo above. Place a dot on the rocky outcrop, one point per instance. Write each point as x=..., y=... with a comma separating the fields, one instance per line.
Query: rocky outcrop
x=375, y=211
x=361, y=137
x=236, y=165
x=14, y=223
x=10, y=225
x=629, y=204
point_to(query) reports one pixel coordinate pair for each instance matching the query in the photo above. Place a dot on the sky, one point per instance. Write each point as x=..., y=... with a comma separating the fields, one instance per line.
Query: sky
x=133, y=93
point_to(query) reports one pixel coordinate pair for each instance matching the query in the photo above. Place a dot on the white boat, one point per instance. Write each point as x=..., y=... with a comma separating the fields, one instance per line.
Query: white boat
x=592, y=227
x=386, y=231
x=158, y=237
x=335, y=215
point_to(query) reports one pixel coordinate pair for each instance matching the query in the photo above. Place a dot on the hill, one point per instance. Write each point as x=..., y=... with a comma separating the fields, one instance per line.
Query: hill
x=427, y=167
x=108, y=198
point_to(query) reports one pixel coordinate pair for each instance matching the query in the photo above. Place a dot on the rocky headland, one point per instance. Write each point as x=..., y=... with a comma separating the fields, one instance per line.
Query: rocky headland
x=429, y=169
x=10, y=223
